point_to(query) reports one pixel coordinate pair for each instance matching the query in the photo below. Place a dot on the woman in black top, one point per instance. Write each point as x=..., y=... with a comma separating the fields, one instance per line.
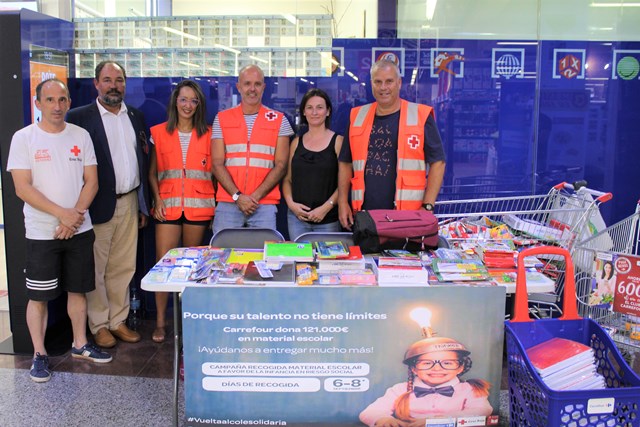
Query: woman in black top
x=311, y=185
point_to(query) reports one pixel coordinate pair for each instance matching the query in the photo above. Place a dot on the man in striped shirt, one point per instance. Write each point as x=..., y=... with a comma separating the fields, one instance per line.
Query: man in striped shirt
x=250, y=148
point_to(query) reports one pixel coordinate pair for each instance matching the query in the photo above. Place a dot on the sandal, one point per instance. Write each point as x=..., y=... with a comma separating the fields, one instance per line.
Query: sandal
x=158, y=334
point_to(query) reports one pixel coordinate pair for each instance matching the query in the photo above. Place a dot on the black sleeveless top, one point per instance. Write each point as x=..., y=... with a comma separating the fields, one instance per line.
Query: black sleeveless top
x=314, y=177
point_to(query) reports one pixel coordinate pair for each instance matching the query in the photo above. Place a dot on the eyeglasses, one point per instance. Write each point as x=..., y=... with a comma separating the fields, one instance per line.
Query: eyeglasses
x=193, y=102
x=448, y=364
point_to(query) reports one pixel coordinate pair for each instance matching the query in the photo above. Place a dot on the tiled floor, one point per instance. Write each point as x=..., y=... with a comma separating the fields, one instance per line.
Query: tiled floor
x=135, y=389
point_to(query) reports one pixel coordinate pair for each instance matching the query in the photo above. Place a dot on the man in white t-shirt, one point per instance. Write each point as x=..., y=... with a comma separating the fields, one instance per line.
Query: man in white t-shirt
x=53, y=166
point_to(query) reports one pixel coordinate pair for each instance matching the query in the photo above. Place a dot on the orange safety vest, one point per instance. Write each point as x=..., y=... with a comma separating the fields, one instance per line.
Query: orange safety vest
x=411, y=168
x=184, y=188
x=249, y=161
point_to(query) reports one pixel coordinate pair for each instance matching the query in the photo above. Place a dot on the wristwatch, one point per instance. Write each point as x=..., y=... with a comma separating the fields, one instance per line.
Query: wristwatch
x=236, y=196
x=428, y=206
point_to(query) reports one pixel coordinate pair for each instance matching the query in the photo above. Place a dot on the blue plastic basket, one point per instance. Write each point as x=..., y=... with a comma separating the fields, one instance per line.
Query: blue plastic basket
x=531, y=402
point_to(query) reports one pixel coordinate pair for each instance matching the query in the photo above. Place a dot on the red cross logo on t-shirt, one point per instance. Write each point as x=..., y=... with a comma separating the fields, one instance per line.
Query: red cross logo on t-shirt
x=413, y=141
x=75, y=150
x=271, y=116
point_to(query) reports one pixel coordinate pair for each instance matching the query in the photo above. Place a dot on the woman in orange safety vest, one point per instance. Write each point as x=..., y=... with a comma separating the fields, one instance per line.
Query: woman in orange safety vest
x=180, y=179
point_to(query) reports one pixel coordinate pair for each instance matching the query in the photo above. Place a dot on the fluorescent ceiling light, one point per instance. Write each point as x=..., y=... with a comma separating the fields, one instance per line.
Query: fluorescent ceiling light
x=414, y=74
x=330, y=57
x=304, y=80
x=188, y=64
x=227, y=48
x=290, y=18
x=518, y=43
x=615, y=4
x=217, y=70
x=431, y=8
x=255, y=58
x=181, y=33
x=83, y=7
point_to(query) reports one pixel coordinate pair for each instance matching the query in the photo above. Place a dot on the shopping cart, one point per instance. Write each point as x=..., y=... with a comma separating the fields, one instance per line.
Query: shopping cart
x=531, y=402
x=567, y=214
x=621, y=238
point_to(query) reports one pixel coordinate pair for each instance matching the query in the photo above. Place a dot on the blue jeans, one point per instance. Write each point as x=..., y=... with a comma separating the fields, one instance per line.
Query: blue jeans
x=297, y=227
x=229, y=216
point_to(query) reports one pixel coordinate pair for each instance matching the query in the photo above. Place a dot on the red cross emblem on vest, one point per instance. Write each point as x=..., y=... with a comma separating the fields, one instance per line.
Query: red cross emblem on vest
x=75, y=150
x=413, y=141
x=271, y=116
x=569, y=66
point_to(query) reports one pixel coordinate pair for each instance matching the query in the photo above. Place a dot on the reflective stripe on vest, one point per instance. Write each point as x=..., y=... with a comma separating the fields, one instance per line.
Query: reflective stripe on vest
x=412, y=165
x=172, y=202
x=362, y=114
x=263, y=149
x=412, y=114
x=235, y=161
x=170, y=174
x=261, y=163
x=413, y=195
x=357, y=195
x=190, y=202
x=236, y=148
x=195, y=174
x=358, y=165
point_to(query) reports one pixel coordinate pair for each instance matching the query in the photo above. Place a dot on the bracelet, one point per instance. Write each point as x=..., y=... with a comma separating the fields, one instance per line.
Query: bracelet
x=330, y=202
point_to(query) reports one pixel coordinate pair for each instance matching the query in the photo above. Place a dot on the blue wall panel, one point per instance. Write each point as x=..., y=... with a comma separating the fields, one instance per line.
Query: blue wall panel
x=501, y=138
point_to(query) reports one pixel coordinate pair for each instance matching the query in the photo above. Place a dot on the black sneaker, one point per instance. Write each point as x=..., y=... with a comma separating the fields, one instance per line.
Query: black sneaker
x=40, y=372
x=91, y=352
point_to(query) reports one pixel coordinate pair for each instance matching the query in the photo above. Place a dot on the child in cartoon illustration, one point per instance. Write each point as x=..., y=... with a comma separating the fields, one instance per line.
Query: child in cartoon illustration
x=605, y=285
x=433, y=389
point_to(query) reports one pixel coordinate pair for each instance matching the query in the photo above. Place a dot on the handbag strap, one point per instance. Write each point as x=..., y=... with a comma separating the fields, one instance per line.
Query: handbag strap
x=570, y=304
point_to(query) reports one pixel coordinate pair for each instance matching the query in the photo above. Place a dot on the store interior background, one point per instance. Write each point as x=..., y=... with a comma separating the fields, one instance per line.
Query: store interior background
x=504, y=136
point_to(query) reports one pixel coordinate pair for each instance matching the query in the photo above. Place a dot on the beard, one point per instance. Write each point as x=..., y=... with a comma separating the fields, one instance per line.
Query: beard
x=112, y=98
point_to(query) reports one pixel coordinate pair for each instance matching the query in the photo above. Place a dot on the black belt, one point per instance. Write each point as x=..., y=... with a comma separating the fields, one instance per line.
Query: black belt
x=124, y=194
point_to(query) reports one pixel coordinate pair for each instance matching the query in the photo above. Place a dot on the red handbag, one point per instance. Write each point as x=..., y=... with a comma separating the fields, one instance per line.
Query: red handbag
x=378, y=229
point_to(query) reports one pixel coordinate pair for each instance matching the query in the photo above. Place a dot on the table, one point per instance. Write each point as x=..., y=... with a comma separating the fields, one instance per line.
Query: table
x=317, y=299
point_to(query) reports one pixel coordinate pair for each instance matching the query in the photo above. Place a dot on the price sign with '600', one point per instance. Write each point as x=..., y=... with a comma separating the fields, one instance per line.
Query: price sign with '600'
x=627, y=290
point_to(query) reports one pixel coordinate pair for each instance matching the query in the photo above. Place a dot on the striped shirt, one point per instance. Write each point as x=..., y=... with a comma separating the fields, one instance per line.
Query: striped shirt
x=185, y=138
x=250, y=119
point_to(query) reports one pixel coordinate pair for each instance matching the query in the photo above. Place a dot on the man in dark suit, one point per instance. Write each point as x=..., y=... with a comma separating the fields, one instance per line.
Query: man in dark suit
x=119, y=136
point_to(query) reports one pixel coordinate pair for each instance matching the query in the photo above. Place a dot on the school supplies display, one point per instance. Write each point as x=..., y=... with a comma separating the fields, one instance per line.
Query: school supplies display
x=534, y=402
x=354, y=260
x=209, y=259
x=579, y=205
x=288, y=251
x=283, y=276
x=244, y=256
x=331, y=250
x=401, y=272
x=447, y=270
x=556, y=354
x=379, y=229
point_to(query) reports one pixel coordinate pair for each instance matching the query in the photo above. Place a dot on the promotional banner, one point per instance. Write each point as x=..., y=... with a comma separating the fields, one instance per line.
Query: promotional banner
x=341, y=356
x=45, y=63
x=627, y=284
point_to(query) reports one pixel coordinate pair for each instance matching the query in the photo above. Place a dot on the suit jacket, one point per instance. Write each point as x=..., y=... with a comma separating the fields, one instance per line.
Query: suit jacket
x=104, y=204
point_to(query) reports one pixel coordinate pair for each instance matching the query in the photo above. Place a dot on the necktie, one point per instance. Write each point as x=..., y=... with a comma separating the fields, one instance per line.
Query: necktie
x=424, y=391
